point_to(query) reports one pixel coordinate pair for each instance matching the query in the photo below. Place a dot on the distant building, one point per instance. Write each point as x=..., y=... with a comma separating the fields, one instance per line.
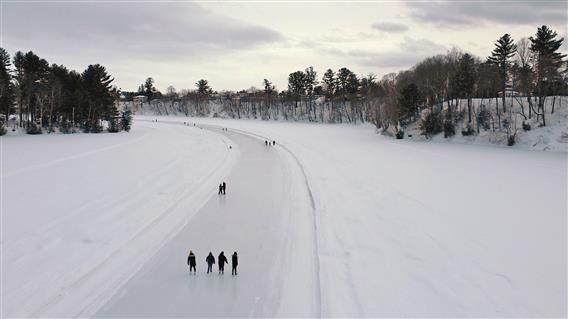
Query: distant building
x=140, y=98
x=508, y=93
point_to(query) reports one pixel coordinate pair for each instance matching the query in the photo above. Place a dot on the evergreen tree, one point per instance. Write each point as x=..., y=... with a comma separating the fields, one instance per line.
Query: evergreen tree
x=203, y=93
x=100, y=97
x=296, y=85
x=329, y=82
x=7, y=94
x=310, y=83
x=113, y=121
x=409, y=102
x=269, y=88
x=203, y=87
x=149, y=88
x=31, y=79
x=269, y=92
x=548, y=62
x=465, y=78
x=504, y=50
x=126, y=120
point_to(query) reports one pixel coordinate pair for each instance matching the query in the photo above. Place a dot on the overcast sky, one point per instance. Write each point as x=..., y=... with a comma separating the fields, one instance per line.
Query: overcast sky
x=235, y=45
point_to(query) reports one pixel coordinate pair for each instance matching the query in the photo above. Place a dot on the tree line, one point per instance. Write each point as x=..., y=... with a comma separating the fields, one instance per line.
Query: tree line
x=437, y=92
x=46, y=97
x=430, y=92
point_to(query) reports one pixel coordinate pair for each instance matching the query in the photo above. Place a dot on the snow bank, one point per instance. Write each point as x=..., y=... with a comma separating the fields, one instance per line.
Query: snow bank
x=552, y=137
x=82, y=213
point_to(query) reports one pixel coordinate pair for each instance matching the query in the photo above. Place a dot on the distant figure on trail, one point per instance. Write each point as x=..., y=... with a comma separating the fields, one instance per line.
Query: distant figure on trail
x=273, y=143
x=224, y=187
x=265, y=143
x=191, y=261
x=220, y=189
x=234, y=263
x=210, y=261
x=222, y=260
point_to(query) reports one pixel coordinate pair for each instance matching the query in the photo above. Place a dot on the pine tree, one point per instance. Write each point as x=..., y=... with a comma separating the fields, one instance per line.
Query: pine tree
x=149, y=88
x=504, y=50
x=329, y=83
x=203, y=93
x=100, y=97
x=465, y=78
x=409, y=101
x=126, y=120
x=296, y=86
x=7, y=94
x=113, y=118
x=548, y=62
x=310, y=84
x=269, y=91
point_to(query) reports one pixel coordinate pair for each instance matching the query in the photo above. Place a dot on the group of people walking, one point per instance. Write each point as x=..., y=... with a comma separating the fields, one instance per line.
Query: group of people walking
x=210, y=260
x=268, y=143
x=222, y=188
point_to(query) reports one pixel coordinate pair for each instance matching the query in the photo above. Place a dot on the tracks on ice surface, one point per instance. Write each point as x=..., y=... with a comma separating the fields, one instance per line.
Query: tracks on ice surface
x=318, y=292
x=267, y=217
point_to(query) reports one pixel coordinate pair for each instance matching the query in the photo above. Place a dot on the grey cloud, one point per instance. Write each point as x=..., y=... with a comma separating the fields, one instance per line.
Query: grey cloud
x=421, y=45
x=409, y=52
x=390, y=27
x=469, y=13
x=147, y=30
x=344, y=37
x=396, y=59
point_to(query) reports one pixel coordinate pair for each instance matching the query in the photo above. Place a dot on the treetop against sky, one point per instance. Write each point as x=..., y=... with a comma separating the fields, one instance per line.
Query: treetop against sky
x=235, y=45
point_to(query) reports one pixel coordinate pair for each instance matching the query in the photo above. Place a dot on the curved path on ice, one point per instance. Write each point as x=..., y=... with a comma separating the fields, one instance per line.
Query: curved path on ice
x=265, y=217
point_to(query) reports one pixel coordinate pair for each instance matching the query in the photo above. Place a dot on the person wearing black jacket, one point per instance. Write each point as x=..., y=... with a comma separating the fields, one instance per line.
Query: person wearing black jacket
x=191, y=261
x=210, y=261
x=234, y=262
x=222, y=261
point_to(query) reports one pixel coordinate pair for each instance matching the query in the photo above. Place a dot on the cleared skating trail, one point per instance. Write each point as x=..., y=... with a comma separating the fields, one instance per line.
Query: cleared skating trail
x=256, y=219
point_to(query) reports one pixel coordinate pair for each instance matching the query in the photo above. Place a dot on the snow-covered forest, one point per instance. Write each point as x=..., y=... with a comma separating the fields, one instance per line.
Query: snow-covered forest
x=518, y=87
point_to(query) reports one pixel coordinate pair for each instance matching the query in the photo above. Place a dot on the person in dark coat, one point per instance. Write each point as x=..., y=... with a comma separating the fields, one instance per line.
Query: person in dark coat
x=220, y=189
x=224, y=188
x=222, y=260
x=273, y=143
x=210, y=261
x=265, y=143
x=234, y=262
x=191, y=261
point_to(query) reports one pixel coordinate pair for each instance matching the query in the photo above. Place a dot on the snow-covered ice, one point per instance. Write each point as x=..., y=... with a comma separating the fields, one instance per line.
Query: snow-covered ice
x=401, y=228
x=82, y=213
x=255, y=218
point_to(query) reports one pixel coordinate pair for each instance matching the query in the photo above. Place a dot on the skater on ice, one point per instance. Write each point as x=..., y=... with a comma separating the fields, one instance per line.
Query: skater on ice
x=210, y=261
x=220, y=189
x=222, y=260
x=224, y=187
x=191, y=261
x=234, y=263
